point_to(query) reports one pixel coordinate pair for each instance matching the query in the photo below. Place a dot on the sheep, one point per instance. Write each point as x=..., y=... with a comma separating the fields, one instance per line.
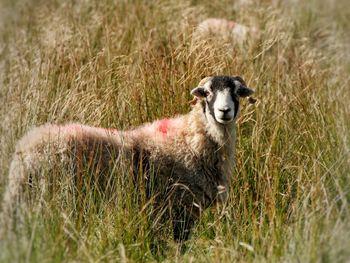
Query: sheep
x=224, y=28
x=192, y=154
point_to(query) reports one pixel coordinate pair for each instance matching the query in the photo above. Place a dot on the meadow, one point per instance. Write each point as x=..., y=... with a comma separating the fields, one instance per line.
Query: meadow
x=125, y=62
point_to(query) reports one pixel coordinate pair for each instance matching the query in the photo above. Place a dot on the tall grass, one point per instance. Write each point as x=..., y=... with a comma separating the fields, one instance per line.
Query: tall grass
x=122, y=63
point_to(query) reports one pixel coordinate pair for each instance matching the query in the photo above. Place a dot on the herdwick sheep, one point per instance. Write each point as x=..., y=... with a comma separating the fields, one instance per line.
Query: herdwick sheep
x=224, y=28
x=192, y=155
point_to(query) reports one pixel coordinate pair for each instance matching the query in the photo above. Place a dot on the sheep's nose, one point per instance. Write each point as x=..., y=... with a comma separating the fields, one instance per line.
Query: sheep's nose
x=225, y=110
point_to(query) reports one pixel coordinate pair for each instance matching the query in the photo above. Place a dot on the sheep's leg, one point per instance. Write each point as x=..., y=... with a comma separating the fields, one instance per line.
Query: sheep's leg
x=183, y=222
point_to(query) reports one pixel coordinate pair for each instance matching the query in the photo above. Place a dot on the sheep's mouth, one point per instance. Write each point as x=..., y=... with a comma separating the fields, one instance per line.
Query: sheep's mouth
x=224, y=120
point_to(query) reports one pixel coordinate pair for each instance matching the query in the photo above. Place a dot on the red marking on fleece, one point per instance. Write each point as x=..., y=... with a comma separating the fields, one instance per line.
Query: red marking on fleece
x=163, y=126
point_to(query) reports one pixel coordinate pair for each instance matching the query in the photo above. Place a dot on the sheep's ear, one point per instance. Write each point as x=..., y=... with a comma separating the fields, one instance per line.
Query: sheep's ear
x=243, y=91
x=198, y=92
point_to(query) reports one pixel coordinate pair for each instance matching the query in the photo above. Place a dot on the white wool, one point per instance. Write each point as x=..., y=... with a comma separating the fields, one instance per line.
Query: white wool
x=224, y=28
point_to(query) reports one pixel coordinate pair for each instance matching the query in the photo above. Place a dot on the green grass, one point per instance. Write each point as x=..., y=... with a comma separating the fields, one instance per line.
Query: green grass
x=122, y=63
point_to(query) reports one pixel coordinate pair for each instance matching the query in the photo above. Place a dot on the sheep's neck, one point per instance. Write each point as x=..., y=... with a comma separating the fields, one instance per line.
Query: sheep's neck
x=222, y=137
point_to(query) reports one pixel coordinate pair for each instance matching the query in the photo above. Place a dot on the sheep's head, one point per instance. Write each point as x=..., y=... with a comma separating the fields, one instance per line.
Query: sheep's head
x=220, y=96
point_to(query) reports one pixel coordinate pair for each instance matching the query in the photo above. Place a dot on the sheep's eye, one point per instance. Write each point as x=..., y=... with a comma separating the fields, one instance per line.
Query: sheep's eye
x=206, y=93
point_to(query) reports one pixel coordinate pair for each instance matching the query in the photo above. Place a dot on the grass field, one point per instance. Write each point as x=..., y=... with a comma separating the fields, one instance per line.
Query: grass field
x=121, y=63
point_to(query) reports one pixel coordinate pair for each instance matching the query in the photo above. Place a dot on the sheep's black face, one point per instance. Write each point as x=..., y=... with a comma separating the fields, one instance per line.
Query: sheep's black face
x=221, y=95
